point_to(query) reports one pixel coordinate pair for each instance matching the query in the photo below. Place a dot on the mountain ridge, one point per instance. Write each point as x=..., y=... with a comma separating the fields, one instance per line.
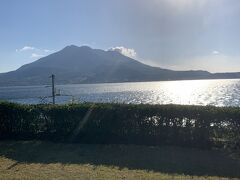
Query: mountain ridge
x=83, y=64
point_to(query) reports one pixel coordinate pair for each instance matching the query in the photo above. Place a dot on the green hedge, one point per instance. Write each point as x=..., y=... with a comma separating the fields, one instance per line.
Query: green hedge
x=195, y=126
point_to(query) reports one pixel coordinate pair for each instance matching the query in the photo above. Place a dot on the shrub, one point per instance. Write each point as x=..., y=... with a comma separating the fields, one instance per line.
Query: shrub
x=194, y=126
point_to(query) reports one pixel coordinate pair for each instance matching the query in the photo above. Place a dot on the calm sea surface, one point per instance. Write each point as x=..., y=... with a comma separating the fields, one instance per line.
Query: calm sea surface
x=197, y=92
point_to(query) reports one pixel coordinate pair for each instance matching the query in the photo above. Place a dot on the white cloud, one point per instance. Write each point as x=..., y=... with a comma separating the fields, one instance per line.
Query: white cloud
x=26, y=48
x=31, y=48
x=48, y=51
x=34, y=55
x=215, y=52
x=125, y=51
x=34, y=52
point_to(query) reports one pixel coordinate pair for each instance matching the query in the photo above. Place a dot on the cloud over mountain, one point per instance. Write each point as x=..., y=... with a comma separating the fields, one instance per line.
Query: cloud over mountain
x=125, y=51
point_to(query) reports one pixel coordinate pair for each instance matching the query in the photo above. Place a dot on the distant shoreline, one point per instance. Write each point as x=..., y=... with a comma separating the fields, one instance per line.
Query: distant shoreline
x=62, y=84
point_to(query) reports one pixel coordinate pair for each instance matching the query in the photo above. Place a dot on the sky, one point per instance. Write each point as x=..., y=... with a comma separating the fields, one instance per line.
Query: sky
x=174, y=34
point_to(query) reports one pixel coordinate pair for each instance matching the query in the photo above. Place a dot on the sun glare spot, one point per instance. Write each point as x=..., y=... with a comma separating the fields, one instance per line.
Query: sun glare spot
x=184, y=92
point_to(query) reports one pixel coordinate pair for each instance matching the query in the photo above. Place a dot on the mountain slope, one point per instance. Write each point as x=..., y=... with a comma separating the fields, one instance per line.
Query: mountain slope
x=85, y=65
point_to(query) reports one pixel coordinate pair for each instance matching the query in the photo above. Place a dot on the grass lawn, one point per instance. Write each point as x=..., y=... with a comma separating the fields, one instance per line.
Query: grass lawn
x=45, y=160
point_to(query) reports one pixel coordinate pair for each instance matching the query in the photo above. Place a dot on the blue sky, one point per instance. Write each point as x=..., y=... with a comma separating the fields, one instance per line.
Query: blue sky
x=176, y=34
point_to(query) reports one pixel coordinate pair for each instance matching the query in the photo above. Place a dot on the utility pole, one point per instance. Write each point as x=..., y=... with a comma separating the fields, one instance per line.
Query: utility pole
x=53, y=88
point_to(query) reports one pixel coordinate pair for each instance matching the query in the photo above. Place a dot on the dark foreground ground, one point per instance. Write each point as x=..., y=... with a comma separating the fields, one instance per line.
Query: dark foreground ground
x=45, y=160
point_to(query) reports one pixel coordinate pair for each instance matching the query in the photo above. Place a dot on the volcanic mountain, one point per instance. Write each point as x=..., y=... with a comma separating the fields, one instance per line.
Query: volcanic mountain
x=75, y=64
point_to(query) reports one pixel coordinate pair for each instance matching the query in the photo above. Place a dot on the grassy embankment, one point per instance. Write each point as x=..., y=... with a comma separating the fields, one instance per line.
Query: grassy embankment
x=45, y=160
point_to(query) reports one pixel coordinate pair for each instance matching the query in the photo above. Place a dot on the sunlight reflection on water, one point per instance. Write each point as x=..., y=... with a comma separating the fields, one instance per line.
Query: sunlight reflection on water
x=195, y=92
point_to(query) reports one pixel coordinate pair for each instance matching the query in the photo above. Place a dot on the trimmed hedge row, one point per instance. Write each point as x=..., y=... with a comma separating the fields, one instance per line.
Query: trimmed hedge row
x=194, y=126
